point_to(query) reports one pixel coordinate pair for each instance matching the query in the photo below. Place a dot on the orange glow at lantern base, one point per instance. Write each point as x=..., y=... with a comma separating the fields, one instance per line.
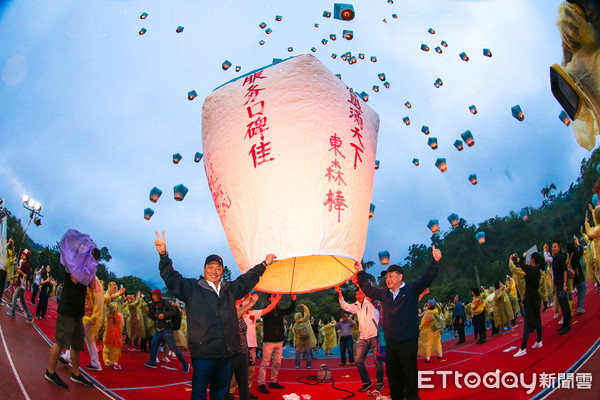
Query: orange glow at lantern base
x=481, y=240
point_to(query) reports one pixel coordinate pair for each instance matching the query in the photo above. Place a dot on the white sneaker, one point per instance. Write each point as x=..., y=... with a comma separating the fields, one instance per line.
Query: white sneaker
x=555, y=315
x=520, y=353
x=537, y=345
x=561, y=321
x=165, y=359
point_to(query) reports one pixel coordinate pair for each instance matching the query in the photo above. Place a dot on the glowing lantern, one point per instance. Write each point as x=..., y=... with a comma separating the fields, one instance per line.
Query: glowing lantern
x=339, y=76
x=371, y=211
x=364, y=96
x=395, y=16
x=198, y=156
x=326, y=14
x=408, y=105
x=316, y=25
x=459, y=145
x=238, y=68
x=148, y=213
x=386, y=84
x=375, y=88
x=517, y=112
x=261, y=42
x=226, y=64
x=432, y=142
x=467, y=136
x=391, y=1
x=384, y=257
x=179, y=29
x=361, y=56
x=425, y=129
x=176, y=158
x=444, y=44
x=333, y=55
x=324, y=41
x=290, y=49
x=381, y=76
x=453, y=219
x=438, y=50
x=473, y=179
x=344, y=12
x=463, y=56
x=373, y=59
x=424, y=47
x=278, y=18
x=434, y=226
x=406, y=120
x=473, y=109
x=376, y=164
x=144, y=15
x=256, y=179
x=262, y=25
x=441, y=164
x=438, y=82
x=430, y=30
x=269, y=31
x=564, y=117
x=524, y=214
x=595, y=200
x=313, y=49
x=480, y=236
x=344, y=57
x=487, y=52
x=179, y=192
x=332, y=36
x=348, y=34
x=416, y=162
x=155, y=194
x=142, y=31
x=385, y=21
x=352, y=60
x=192, y=95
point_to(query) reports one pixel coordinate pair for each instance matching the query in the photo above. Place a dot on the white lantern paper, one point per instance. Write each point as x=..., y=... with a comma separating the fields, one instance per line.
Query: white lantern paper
x=289, y=152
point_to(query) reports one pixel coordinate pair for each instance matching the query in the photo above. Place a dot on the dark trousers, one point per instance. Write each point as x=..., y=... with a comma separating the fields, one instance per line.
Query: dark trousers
x=213, y=372
x=42, y=305
x=460, y=328
x=239, y=368
x=495, y=329
x=479, y=325
x=2, y=282
x=563, y=302
x=165, y=336
x=401, y=369
x=34, y=292
x=346, y=343
x=361, y=354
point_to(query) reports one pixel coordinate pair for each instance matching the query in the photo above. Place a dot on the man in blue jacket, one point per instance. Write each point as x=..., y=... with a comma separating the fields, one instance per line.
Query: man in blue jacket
x=458, y=315
x=213, y=335
x=400, y=323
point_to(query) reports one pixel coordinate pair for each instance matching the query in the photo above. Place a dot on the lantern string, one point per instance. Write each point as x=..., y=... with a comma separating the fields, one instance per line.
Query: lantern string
x=344, y=265
x=293, y=272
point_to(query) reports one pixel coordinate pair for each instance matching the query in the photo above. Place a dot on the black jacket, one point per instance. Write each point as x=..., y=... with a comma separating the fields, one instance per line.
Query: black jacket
x=167, y=309
x=212, y=320
x=273, y=323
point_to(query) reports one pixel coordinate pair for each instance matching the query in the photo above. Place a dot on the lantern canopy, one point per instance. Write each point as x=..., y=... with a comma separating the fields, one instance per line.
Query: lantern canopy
x=371, y=211
x=278, y=18
x=155, y=194
x=458, y=144
x=425, y=129
x=564, y=117
x=381, y=76
x=148, y=213
x=289, y=156
x=344, y=12
x=376, y=164
x=192, y=95
x=430, y=30
x=473, y=109
x=176, y=158
x=424, y=47
x=416, y=162
x=261, y=42
x=408, y=105
x=467, y=136
x=432, y=142
x=324, y=41
x=313, y=49
x=524, y=214
x=443, y=43
x=406, y=120
x=326, y=14
x=487, y=52
x=386, y=84
x=268, y=31
x=142, y=31
x=226, y=64
x=480, y=236
x=375, y=88
x=434, y=226
x=179, y=29
x=438, y=82
x=144, y=15
x=441, y=164
x=333, y=55
x=373, y=59
x=384, y=257
x=473, y=179
x=179, y=192
x=463, y=56
x=238, y=68
x=517, y=112
x=262, y=25
x=348, y=34
x=453, y=219
x=361, y=56
x=438, y=50
x=332, y=36
x=197, y=157
x=595, y=200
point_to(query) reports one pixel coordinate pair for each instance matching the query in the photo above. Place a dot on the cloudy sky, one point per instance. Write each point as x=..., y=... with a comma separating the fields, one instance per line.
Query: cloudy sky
x=91, y=112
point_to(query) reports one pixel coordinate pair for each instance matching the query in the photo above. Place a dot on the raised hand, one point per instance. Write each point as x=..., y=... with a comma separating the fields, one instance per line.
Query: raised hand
x=338, y=289
x=437, y=254
x=161, y=245
x=358, y=266
x=269, y=258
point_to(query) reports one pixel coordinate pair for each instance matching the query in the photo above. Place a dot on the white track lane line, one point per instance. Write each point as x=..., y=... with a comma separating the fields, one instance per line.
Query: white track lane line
x=13, y=366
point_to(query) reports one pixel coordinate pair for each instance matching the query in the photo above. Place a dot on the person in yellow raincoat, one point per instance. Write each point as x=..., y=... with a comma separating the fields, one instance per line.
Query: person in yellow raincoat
x=511, y=291
x=430, y=335
x=179, y=334
x=591, y=262
x=330, y=337
x=92, y=321
x=149, y=329
x=503, y=312
x=304, y=337
x=113, y=337
x=594, y=235
x=135, y=323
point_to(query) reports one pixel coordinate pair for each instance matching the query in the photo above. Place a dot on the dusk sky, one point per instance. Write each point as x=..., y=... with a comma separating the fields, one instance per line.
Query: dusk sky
x=91, y=113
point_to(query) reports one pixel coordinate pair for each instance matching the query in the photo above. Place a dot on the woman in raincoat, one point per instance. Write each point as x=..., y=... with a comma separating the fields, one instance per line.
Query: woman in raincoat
x=304, y=337
x=330, y=337
x=430, y=335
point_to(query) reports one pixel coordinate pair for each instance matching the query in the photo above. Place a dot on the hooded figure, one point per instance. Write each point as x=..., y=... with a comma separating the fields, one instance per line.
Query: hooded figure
x=113, y=337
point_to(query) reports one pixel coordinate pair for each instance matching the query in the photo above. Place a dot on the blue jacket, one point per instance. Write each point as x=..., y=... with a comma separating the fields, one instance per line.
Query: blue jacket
x=459, y=311
x=400, y=316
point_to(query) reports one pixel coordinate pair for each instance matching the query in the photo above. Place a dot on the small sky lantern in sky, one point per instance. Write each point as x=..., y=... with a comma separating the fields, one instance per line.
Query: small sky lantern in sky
x=278, y=18
x=391, y=1
x=384, y=257
x=408, y=105
x=473, y=109
x=459, y=145
x=361, y=56
x=463, y=56
x=316, y=25
x=467, y=136
x=262, y=25
x=198, y=156
x=333, y=55
x=432, y=142
x=144, y=15
x=381, y=76
x=424, y=47
x=386, y=84
x=487, y=52
x=313, y=49
x=226, y=64
x=438, y=50
x=192, y=95
x=332, y=36
x=148, y=213
x=564, y=117
x=453, y=219
x=480, y=236
x=142, y=31
x=344, y=57
x=344, y=12
x=524, y=214
x=179, y=192
x=238, y=68
x=324, y=41
x=416, y=162
x=261, y=42
x=395, y=16
x=364, y=96
x=348, y=34
x=517, y=112
x=406, y=120
x=373, y=59
x=473, y=179
x=268, y=31
x=290, y=49
x=176, y=158
x=385, y=21
x=371, y=211
x=339, y=76
x=441, y=164
x=438, y=82
x=375, y=88
x=377, y=164
x=179, y=29
x=155, y=194
x=434, y=226
x=352, y=60
x=326, y=14
x=595, y=200
x=443, y=43
x=430, y=30
x=425, y=129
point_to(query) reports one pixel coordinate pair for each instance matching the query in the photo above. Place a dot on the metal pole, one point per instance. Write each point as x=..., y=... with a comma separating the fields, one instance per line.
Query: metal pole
x=477, y=276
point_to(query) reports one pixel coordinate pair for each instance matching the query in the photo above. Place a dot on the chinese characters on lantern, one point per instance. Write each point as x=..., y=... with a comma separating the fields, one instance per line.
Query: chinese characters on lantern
x=356, y=116
x=256, y=128
x=335, y=177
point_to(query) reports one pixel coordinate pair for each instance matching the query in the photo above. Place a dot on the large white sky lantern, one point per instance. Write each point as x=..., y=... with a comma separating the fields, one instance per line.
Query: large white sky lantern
x=289, y=152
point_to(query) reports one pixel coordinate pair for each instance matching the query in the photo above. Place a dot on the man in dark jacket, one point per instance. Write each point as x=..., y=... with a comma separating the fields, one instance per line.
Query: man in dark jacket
x=559, y=274
x=400, y=323
x=163, y=312
x=211, y=316
x=458, y=315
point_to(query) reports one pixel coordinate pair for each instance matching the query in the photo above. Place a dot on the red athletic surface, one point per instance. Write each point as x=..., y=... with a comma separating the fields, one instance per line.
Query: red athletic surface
x=29, y=353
